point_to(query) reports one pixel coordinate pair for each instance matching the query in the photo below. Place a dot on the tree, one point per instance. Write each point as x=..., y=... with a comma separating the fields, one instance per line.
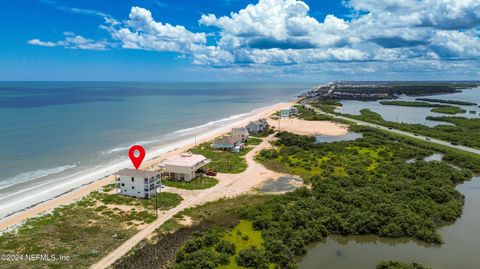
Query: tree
x=226, y=247
x=251, y=257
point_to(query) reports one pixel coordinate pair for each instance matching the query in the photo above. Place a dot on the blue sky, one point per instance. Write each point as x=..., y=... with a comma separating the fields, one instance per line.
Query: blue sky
x=237, y=40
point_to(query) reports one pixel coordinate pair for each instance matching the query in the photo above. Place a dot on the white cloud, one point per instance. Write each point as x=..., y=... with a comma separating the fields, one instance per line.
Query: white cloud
x=38, y=42
x=141, y=31
x=72, y=41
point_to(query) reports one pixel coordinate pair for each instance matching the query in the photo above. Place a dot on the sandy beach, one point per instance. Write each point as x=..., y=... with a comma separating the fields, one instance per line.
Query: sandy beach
x=96, y=184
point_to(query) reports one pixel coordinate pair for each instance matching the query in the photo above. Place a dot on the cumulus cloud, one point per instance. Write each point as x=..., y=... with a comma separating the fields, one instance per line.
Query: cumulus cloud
x=282, y=33
x=141, y=31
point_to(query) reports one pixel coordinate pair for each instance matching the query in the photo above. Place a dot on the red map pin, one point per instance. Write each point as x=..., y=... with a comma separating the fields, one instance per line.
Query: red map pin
x=136, y=154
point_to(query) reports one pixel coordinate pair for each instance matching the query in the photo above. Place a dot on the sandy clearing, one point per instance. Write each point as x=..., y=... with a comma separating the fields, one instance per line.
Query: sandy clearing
x=303, y=127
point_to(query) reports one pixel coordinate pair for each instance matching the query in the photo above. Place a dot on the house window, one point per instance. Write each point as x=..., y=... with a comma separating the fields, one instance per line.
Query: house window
x=133, y=187
x=133, y=179
x=123, y=184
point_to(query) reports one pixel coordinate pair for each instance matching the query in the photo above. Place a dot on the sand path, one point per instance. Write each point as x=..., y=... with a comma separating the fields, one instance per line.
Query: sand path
x=229, y=185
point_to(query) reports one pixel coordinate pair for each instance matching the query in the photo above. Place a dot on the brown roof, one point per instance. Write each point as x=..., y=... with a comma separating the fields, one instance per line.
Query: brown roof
x=137, y=173
x=227, y=140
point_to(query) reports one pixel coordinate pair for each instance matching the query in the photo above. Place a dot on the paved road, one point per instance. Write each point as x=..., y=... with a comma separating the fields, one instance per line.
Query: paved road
x=420, y=137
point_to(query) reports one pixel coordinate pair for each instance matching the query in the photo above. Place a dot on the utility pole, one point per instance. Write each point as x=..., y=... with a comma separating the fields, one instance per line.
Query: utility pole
x=156, y=201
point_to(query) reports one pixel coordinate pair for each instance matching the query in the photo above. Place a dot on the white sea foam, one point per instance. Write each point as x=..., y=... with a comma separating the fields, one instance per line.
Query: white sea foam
x=33, y=175
x=123, y=148
x=233, y=117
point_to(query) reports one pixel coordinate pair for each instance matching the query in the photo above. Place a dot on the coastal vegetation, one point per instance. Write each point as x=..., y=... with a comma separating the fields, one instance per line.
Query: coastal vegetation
x=358, y=187
x=442, y=101
x=409, y=88
x=85, y=230
x=309, y=114
x=465, y=131
x=448, y=110
x=437, y=108
x=327, y=105
x=223, y=161
x=409, y=103
x=399, y=265
x=222, y=215
x=199, y=183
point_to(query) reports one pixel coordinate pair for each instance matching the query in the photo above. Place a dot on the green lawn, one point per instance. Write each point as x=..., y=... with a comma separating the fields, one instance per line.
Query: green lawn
x=85, y=231
x=200, y=183
x=223, y=161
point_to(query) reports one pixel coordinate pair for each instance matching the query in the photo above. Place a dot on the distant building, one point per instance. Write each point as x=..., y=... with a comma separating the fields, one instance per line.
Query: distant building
x=288, y=112
x=137, y=183
x=228, y=143
x=184, y=167
x=255, y=127
x=241, y=133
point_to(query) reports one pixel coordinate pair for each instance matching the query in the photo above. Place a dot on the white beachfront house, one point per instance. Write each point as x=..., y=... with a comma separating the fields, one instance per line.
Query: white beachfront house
x=137, y=183
x=288, y=112
x=255, y=127
x=183, y=167
x=241, y=133
x=228, y=143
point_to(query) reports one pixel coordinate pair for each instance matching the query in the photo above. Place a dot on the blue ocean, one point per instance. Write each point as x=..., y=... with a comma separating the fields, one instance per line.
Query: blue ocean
x=54, y=132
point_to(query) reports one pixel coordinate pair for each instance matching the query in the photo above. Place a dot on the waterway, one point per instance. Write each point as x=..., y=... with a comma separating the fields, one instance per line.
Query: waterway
x=461, y=248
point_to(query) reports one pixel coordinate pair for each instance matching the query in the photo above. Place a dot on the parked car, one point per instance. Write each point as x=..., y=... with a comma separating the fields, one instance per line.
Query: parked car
x=211, y=173
x=454, y=144
x=428, y=138
x=415, y=134
x=390, y=128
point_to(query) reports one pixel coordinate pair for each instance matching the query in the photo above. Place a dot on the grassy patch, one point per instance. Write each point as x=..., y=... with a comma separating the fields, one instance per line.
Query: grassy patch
x=254, y=141
x=86, y=230
x=242, y=236
x=222, y=161
x=199, y=183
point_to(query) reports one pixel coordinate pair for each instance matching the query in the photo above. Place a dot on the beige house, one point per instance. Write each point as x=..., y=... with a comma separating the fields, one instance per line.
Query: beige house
x=228, y=143
x=137, y=183
x=241, y=133
x=183, y=167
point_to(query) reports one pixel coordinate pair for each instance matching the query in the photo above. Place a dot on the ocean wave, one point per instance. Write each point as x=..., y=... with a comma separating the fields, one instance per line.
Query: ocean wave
x=123, y=148
x=33, y=175
x=233, y=117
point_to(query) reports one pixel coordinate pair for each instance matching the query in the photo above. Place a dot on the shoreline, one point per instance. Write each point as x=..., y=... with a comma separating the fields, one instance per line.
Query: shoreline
x=156, y=156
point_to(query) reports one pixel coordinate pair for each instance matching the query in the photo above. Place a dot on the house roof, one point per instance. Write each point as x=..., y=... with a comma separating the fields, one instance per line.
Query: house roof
x=185, y=159
x=241, y=129
x=227, y=140
x=137, y=173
